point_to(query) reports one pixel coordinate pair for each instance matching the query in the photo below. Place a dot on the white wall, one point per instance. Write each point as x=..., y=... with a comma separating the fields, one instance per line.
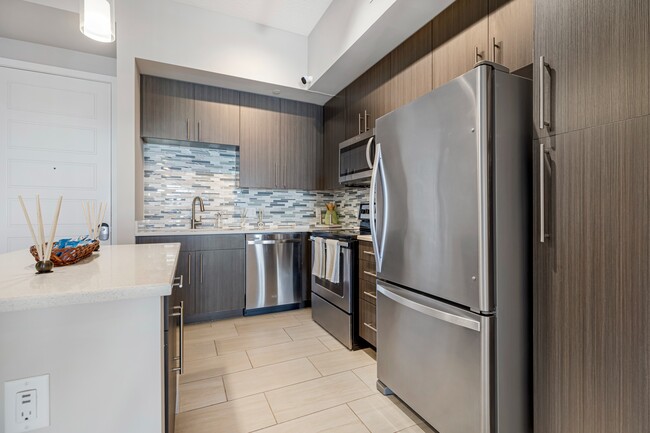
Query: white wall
x=59, y=57
x=169, y=32
x=104, y=362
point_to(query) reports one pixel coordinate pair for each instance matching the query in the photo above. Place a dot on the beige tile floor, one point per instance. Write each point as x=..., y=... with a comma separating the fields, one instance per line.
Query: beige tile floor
x=281, y=373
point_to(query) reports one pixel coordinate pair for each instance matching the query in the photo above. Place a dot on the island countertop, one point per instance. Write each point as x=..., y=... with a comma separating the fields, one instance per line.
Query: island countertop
x=114, y=273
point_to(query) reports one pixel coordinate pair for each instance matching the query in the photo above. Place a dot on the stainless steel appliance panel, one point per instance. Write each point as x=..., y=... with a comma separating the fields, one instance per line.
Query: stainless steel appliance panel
x=432, y=167
x=273, y=270
x=437, y=358
x=335, y=321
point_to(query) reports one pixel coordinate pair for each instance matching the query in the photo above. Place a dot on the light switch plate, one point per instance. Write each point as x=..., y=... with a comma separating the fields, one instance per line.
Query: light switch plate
x=39, y=388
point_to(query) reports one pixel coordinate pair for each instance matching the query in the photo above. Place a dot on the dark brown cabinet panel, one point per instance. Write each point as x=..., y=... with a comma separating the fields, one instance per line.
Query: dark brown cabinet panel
x=511, y=33
x=591, y=303
x=333, y=135
x=411, y=68
x=598, y=62
x=221, y=281
x=259, y=138
x=459, y=39
x=301, y=138
x=367, y=322
x=217, y=115
x=167, y=109
x=368, y=98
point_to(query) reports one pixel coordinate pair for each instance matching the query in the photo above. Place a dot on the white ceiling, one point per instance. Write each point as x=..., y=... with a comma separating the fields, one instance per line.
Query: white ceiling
x=296, y=16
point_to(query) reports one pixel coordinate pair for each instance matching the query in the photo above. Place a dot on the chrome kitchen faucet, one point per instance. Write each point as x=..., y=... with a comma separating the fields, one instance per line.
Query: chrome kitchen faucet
x=194, y=218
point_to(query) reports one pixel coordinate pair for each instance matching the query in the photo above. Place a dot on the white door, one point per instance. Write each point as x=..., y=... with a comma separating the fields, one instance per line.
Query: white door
x=55, y=139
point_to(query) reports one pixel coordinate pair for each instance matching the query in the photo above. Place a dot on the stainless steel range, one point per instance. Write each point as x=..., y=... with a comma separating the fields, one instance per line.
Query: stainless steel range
x=333, y=303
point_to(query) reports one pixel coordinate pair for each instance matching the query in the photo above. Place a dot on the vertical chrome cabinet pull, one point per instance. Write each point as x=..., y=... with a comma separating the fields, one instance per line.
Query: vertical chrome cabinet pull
x=359, y=123
x=494, y=49
x=542, y=71
x=542, y=210
x=189, y=268
x=365, y=121
x=198, y=133
x=201, y=276
x=181, y=338
x=187, y=127
x=477, y=55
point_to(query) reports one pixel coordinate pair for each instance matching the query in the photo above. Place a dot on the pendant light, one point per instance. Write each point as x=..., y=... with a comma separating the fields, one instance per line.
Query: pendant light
x=97, y=19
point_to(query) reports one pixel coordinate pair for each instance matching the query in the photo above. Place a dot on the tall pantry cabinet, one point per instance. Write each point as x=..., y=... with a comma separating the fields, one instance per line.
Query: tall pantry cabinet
x=591, y=195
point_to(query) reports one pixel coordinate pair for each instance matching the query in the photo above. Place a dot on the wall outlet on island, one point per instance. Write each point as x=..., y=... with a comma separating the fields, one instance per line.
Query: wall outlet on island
x=27, y=404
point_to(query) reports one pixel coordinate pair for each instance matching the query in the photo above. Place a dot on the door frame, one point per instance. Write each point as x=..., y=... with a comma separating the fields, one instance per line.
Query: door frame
x=106, y=79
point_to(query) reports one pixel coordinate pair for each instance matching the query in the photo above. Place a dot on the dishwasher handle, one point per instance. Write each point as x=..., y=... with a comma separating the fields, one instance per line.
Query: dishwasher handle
x=274, y=241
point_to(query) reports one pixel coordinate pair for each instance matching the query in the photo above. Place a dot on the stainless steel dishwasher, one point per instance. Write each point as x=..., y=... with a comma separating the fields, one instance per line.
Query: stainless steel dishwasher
x=273, y=267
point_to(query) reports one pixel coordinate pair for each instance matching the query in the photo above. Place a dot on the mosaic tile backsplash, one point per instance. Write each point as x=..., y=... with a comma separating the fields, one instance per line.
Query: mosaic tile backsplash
x=174, y=175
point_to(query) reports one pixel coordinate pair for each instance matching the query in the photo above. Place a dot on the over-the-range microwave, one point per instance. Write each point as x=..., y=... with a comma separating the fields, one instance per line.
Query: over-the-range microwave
x=356, y=156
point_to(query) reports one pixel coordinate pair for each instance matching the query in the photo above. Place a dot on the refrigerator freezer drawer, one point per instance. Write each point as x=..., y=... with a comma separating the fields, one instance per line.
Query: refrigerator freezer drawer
x=437, y=358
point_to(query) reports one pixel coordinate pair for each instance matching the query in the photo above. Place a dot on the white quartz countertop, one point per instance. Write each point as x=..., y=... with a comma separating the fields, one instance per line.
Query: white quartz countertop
x=365, y=238
x=114, y=273
x=232, y=231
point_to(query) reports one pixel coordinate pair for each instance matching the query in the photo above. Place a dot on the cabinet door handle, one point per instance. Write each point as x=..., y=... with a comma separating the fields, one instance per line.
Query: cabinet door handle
x=372, y=295
x=542, y=71
x=542, y=210
x=359, y=123
x=198, y=132
x=180, y=282
x=368, y=325
x=494, y=49
x=370, y=253
x=201, y=276
x=187, y=127
x=477, y=55
x=189, y=269
x=181, y=338
x=365, y=120
x=370, y=273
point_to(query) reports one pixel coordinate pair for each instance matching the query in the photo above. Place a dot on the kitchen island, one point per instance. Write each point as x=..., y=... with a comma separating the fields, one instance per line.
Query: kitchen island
x=96, y=328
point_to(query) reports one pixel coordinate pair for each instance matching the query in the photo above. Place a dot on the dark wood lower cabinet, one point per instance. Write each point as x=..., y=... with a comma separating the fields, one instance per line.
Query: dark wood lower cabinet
x=367, y=297
x=591, y=296
x=368, y=322
x=221, y=278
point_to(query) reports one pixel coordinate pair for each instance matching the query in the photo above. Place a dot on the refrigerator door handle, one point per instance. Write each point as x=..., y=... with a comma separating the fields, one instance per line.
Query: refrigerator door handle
x=378, y=170
x=368, y=147
x=429, y=311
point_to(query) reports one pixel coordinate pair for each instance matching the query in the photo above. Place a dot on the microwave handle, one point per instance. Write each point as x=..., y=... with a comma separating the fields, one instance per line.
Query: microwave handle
x=368, y=147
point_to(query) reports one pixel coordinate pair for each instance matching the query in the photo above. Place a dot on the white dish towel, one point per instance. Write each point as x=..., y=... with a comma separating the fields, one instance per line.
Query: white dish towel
x=332, y=264
x=318, y=269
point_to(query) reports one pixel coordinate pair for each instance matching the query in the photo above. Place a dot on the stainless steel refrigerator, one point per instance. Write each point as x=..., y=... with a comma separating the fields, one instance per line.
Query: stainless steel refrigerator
x=450, y=190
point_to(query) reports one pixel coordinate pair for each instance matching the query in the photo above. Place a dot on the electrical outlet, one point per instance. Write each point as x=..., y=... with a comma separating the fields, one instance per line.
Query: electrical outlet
x=27, y=404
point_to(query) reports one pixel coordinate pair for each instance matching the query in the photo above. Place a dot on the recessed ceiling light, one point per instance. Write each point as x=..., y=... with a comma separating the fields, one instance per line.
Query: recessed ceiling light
x=97, y=19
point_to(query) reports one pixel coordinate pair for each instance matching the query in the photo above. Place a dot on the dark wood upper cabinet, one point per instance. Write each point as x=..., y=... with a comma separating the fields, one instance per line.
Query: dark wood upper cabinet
x=333, y=135
x=368, y=98
x=216, y=115
x=167, y=109
x=259, y=148
x=301, y=140
x=510, y=25
x=598, y=62
x=590, y=296
x=459, y=39
x=411, y=68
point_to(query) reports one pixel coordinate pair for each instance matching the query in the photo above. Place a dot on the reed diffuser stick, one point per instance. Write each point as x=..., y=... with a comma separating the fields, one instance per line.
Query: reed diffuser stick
x=31, y=228
x=41, y=228
x=48, y=253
